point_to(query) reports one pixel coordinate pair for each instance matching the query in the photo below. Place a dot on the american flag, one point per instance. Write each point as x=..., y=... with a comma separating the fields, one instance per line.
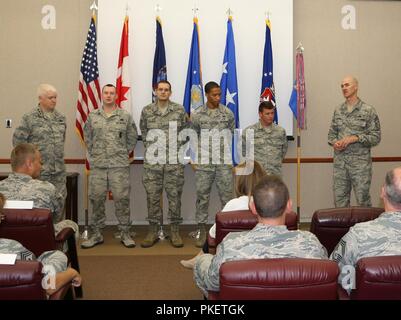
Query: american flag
x=89, y=89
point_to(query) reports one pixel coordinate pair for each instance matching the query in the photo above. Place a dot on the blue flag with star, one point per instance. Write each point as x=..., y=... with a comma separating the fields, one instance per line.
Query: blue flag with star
x=193, y=94
x=267, y=90
x=293, y=100
x=228, y=82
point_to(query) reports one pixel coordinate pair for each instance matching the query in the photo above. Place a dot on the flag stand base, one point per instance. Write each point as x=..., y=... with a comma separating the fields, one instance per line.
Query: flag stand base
x=162, y=235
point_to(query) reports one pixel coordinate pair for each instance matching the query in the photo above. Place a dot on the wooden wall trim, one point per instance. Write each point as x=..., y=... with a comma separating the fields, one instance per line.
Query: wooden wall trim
x=287, y=160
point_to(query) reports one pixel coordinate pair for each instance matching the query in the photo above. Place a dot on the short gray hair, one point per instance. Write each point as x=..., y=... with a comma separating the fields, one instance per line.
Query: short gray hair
x=44, y=88
x=270, y=196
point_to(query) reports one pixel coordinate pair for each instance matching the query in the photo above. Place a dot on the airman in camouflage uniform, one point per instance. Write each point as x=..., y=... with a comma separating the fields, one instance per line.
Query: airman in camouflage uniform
x=269, y=239
x=45, y=127
x=379, y=237
x=22, y=185
x=216, y=120
x=110, y=134
x=55, y=258
x=269, y=142
x=354, y=130
x=170, y=172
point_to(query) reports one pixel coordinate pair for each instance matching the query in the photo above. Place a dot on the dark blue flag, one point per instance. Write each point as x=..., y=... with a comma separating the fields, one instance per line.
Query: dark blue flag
x=228, y=83
x=159, y=61
x=193, y=95
x=267, y=91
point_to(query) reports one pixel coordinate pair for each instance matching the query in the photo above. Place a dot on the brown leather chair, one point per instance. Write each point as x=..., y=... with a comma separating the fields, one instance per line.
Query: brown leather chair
x=33, y=228
x=277, y=279
x=241, y=220
x=330, y=225
x=378, y=278
x=23, y=281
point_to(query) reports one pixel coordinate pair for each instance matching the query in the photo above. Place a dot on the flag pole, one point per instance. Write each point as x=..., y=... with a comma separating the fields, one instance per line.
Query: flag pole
x=299, y=50
x=85, y=233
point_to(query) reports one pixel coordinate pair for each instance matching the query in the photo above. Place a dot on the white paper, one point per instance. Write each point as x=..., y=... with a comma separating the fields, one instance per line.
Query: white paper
x=7, y=258
x=13, y=204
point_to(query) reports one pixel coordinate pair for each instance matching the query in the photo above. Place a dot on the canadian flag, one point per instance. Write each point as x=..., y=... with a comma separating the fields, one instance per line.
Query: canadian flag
x=123, y=83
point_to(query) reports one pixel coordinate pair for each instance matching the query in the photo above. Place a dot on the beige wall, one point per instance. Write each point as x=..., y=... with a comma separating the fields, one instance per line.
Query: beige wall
x=30, y=55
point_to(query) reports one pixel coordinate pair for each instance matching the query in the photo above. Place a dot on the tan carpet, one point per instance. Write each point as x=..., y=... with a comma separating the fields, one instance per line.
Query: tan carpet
x=137, y=278
x=113, y=247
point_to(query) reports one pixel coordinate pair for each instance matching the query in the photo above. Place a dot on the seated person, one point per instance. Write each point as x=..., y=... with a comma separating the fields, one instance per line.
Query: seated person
x=378, y=237
x=244, y=184
x=270, y=238
x=56, y=259
x=22, y=185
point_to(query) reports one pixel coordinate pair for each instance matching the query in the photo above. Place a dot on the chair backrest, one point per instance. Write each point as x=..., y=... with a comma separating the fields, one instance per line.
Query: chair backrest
x=278, y=279
x=33, y=228
x=242, y=220
x=378, y=278
x=330, y=225
x=22, y=281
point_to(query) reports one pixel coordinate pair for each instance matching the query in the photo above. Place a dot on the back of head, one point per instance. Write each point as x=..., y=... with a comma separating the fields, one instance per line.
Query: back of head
x=245, y=183
x=270, y=197
x=392, y=188
x=21, y=153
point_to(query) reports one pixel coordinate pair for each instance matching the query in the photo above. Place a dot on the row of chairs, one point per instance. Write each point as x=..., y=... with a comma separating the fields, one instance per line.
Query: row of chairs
x=33, y=228
x=376, y=277
x=270, y=279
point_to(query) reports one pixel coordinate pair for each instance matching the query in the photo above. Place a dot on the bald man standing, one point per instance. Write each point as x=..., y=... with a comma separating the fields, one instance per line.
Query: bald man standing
x=354, y=130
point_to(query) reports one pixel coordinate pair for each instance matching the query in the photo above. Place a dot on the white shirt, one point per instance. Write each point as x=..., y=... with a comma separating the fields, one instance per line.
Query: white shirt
x=241, y=203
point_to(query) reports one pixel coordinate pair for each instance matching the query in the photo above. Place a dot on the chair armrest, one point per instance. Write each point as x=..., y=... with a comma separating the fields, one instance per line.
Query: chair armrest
x=21, y=281
x=64, y=234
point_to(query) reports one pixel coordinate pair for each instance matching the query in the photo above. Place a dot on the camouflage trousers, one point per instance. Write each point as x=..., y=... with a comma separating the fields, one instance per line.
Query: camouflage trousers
x=205, y=175
x=201, y=269
x=171, y=177
x=59, y=180
x=117, y=181
x=352, y=171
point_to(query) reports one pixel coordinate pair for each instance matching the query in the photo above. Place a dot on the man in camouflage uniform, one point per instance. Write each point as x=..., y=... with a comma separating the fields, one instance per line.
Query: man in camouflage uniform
x=379, y=237
x=355, y=128
x=214, y=159
x=169, y=171
x=45, y=127
x=268, y=239
x=269, y=142
x=110, y=134
x=22, y=184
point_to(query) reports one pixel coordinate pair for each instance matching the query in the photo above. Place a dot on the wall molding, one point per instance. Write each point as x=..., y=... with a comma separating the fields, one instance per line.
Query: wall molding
x=287, y=160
